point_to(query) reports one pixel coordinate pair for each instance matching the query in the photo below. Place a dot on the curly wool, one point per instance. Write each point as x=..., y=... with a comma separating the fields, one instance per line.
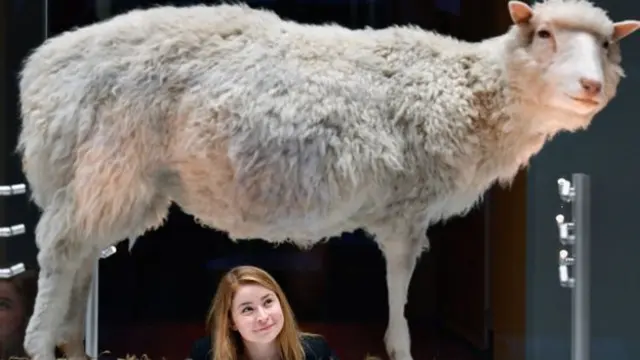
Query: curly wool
x=262, y=127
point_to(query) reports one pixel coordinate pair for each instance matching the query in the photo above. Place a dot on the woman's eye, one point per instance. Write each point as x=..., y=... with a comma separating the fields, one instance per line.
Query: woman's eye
x=5, y=304
x=246, y=310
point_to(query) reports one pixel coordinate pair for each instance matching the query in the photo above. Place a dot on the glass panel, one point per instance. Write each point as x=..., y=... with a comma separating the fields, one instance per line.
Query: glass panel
x=162, y=289
x=21, y=29
x=27, y=20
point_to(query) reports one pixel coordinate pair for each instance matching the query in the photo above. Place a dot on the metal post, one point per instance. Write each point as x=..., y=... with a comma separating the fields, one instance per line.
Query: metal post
x=577, y=235
x=91, y=321
x=581, y=292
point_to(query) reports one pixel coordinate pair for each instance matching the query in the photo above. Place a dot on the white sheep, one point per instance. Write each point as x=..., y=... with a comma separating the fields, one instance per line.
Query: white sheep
x=271, y=129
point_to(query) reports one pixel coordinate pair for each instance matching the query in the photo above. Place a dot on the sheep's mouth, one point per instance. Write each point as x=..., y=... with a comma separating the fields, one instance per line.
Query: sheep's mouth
x=585, y=101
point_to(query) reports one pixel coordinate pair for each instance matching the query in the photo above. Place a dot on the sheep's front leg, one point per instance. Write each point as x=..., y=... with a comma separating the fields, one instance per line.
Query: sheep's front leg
x=71, y=335
x=401, y=252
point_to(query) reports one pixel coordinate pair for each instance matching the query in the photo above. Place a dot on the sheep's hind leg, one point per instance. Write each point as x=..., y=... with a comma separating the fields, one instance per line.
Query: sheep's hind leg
x=401, y=250
x=58, y=260
x=110, y=203
x=146, y=211
x=71, y=335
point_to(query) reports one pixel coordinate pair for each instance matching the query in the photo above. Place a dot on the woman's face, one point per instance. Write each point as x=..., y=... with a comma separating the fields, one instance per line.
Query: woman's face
x=256, y=314
x=11, y=310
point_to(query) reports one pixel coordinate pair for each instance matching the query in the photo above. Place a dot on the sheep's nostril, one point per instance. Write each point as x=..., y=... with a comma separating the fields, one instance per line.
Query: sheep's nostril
x=591, y=87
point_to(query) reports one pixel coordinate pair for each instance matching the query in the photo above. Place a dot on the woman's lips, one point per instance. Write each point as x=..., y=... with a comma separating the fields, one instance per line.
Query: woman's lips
x=265, y=328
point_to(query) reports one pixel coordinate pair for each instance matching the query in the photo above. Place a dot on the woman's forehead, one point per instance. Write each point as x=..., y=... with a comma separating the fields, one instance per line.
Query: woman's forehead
x=7, y=290
x=251, y=293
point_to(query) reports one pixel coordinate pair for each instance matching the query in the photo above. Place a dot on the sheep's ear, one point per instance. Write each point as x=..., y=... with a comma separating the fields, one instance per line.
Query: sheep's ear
x=520, y=12
x=623, y=28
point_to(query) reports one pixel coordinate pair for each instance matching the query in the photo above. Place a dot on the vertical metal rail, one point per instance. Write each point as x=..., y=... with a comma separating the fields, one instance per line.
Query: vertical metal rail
x=577, y=236
x=581, y=294
x=91, y=327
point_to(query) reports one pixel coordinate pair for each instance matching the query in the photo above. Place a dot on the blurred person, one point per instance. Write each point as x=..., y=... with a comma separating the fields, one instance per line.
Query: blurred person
x=16, y=305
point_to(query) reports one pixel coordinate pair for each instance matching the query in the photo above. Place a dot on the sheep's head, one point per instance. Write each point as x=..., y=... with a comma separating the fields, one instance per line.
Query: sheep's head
x=565, y=55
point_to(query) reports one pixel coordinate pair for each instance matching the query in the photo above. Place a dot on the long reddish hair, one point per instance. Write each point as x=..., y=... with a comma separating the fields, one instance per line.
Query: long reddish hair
x=226, y=343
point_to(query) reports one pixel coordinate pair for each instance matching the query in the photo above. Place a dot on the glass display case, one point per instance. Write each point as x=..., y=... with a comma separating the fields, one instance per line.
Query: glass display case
x=489, y=288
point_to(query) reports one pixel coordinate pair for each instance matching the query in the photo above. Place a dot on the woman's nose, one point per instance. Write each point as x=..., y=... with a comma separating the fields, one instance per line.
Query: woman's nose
x=262, y=314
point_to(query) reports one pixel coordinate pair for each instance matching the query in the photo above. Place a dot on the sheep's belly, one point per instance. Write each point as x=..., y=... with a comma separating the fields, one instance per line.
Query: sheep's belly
x=458, y=203
x=305, y=227
x=213, y=196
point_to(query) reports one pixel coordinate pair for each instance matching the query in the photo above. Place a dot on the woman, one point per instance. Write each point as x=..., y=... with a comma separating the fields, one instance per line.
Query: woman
x=250, y=319
x=16, y=304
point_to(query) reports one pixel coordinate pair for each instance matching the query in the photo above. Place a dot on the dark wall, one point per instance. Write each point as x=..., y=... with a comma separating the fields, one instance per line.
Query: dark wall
x=607, y=152
x=22, y=28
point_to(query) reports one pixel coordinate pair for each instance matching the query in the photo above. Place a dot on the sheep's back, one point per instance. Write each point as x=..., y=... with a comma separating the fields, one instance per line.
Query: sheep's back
x=309, y=139
x=314, y=139
x=302, y=112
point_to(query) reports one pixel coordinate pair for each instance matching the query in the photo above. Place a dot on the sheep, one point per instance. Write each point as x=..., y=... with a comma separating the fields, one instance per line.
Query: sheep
x=281, y=131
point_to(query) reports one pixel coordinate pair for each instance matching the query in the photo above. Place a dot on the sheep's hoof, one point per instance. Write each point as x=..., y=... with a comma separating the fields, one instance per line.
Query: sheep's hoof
x=38, y=349
x=70, y=354
x=42, y=357
x=399, y=355
x=398, y=344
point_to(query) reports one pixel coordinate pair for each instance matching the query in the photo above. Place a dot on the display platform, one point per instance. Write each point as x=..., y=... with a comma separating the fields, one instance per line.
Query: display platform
x=350, y=341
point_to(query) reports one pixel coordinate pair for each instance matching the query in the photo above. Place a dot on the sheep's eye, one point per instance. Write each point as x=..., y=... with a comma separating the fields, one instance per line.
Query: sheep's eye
x=544, y=34
x=605, y=44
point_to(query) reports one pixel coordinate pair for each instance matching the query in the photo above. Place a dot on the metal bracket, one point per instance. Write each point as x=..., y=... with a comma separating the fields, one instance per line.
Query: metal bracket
x=10, y=272
x=564, y=261
x=565, y=230
x=566, y=233
x=567, y=192
x=108, y=252
x=11, y=190
x=11, y=231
